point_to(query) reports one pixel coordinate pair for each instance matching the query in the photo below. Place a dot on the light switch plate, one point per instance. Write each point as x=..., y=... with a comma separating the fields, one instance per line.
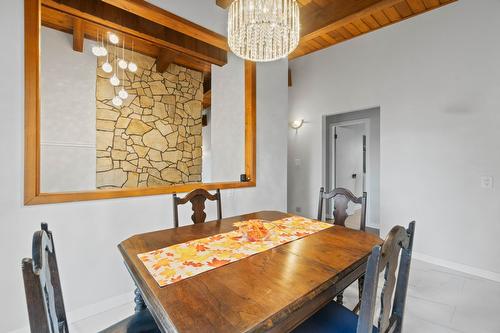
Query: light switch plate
x=487, y=182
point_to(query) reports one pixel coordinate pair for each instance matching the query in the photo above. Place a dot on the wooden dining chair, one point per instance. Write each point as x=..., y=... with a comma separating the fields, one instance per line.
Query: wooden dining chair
x=341, y=198
x=335, y=318
x=44, y=293
x=197, y=199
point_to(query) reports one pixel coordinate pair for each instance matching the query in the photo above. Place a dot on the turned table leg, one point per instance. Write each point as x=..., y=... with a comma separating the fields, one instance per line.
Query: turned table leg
x=361, y=282
x=340, y=298
x=139, y=301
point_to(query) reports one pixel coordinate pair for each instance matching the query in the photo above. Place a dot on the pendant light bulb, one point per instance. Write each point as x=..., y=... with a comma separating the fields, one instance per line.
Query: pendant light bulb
x=103, y=52
x=132, y=67
x=113, y=38
x=123, y=93
x=122, y=64
x=96, y=50
x=117, y=101
x=106, y=67
x=114, y=80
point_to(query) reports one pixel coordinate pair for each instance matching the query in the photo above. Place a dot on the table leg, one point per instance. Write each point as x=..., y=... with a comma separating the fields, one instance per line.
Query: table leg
x=139, y=301
x=340, y=298
x=361, y=282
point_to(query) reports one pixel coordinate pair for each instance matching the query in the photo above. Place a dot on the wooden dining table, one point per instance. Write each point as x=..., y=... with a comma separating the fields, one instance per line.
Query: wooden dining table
x=272, y=291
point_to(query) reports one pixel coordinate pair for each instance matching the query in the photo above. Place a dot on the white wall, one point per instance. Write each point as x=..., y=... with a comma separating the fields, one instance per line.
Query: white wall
x=436, y=78
x=86, y=233
x=67, y=121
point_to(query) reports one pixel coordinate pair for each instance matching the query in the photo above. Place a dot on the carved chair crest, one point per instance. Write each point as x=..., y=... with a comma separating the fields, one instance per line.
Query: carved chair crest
x=197, y=199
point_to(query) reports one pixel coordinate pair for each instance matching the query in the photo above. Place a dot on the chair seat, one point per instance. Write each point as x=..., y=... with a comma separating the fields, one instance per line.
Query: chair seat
x=139, y=322
x=333, y=318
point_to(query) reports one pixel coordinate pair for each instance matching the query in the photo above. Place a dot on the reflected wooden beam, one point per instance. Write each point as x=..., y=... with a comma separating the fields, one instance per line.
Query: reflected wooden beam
x=207, y=90
x=64, y=22
x=121, y=21
x=207, y=99
x=207, y=81
x=192, y=63
x=78, y=35
x=172, y=21
x=165, y=58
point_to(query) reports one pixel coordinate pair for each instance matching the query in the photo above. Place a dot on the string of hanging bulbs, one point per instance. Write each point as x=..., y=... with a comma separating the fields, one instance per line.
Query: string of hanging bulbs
x=99, y=50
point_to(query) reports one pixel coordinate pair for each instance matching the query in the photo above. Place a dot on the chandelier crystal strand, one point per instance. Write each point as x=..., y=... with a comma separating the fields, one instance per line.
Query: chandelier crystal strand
x=263, y=30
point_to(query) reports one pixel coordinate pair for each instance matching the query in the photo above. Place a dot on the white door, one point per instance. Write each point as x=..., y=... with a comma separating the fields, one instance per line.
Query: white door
x=349, y=159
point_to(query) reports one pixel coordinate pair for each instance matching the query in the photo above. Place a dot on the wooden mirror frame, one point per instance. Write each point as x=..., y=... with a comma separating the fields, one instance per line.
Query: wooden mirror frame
x=32, y=192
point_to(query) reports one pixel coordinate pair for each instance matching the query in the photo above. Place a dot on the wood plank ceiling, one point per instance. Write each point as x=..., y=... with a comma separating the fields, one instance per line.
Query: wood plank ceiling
x=328, y=22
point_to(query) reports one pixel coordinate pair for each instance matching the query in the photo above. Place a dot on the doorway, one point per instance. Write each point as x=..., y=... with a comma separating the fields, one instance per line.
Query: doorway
x=349, y=156
x=352, y=158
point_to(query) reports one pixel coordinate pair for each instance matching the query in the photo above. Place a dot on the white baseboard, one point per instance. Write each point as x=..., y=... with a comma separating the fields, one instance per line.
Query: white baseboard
x=458, y=267
x=91, y=310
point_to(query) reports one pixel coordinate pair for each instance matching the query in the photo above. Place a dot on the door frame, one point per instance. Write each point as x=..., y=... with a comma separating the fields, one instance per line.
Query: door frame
x=373, y=114
x=330, y=181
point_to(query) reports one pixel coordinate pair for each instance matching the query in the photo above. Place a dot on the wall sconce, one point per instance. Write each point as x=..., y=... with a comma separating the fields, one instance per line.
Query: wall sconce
x=296, y=124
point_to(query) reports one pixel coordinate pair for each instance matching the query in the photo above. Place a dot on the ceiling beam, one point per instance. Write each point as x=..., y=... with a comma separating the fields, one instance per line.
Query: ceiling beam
x=128, y=23
x=78, y=35
x=159, y=15
x=164, y=59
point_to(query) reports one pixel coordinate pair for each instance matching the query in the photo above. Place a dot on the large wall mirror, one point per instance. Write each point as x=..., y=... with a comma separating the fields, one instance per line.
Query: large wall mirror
x=126, y=99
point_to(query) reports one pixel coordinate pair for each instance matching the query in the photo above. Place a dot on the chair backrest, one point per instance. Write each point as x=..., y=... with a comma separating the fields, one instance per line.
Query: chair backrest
x=398, y=245
x=43, y=287
x=197, y=199
x=341, y=198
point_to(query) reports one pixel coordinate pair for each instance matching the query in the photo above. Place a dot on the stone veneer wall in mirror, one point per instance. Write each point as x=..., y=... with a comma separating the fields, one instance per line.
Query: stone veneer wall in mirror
x=155, y=137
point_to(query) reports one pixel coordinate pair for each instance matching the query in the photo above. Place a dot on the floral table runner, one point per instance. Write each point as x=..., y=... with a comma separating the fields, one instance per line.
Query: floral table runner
x=181, y=261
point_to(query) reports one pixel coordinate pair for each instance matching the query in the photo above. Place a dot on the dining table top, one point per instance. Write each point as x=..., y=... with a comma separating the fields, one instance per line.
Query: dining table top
x=274, y=290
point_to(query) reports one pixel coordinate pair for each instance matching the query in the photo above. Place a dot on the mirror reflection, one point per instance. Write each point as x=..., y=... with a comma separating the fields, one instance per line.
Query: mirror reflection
x=123, y=113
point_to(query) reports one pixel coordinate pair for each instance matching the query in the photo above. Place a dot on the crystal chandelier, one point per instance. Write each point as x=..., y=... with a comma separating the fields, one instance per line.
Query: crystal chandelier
x=263, y=30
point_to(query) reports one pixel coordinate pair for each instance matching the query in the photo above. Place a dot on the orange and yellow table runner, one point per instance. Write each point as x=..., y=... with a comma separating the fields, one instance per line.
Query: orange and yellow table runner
x=181, y=261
